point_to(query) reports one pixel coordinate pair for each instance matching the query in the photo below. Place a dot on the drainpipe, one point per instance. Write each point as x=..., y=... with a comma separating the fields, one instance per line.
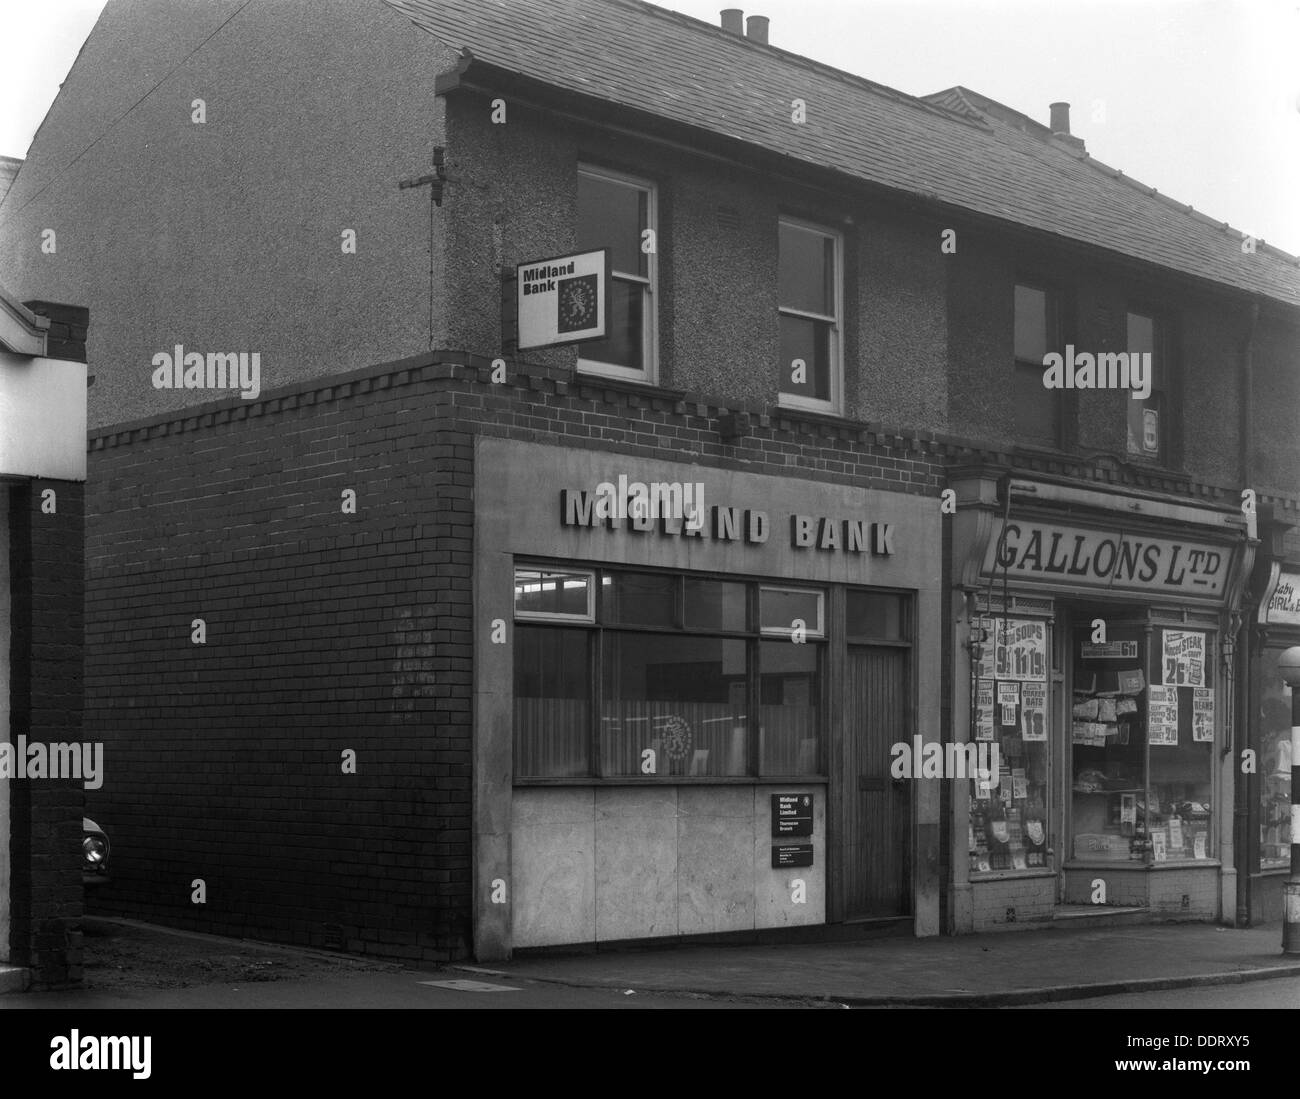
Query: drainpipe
x=1243, y=843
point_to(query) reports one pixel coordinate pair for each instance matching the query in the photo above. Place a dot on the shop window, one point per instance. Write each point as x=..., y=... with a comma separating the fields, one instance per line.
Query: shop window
x=665, y=677
x=810, y=307
x=1147, y=429
x=789, y=707
x=681, y=698
x=618, y=212
x=1009, y=803
x=792, y=612
x=1037, y=408
x=1142, y=738
x=1274, y=762
x=554, y=594
x=552, y=683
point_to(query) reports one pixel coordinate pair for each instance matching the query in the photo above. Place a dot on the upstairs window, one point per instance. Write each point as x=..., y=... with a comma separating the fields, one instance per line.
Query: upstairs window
x=618, y=212
x=1037, y=408
x=1147, y=427
x=811, y=308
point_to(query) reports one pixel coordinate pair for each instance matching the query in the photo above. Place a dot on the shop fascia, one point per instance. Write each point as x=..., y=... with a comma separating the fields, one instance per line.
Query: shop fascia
x=582, y=508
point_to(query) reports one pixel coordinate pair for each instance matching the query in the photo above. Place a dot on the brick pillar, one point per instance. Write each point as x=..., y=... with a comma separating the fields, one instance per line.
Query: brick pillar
x=46, y=591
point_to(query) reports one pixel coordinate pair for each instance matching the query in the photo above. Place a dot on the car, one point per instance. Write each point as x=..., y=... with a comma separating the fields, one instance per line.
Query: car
x=94, y=853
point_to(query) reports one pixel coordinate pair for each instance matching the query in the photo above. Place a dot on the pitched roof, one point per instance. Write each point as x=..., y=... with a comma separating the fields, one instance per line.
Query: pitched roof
x=635, y=55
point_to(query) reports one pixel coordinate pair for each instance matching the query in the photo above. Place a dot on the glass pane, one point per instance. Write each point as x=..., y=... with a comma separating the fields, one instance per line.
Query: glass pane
x=715, y=605
x=1008, y=826
x=682, y=698
x=1144, y=426
x=1180, y=729
x=807, y=271
x=809, y=341
x=624, y=346
x=552, y=591
x=639, y=599
x=1036, y=407
x=1141, y=334
x=1031, y=325
x=875, y=614
x=1108, y=735
x=552, y=702
x=1274, y=766
x=790, y=702
x=612, y=215
x=780, y=609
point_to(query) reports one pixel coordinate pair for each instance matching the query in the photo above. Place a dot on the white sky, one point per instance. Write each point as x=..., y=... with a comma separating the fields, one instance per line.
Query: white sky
x=1198, y=98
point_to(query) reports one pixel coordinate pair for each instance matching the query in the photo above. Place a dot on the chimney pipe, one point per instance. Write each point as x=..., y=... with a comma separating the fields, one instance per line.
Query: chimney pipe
x=733, y=21
x=756, y=25
x=1060, y=118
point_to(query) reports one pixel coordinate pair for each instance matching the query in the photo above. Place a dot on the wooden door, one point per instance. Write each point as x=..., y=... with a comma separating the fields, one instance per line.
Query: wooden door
x=877, y=841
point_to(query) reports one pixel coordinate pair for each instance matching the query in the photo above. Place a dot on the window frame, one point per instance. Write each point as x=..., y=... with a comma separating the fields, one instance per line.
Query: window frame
x=560, y=617
x=753, y=637
x=1054, y=343
x=649, y=374
x=834, y=405
x=1162, y=398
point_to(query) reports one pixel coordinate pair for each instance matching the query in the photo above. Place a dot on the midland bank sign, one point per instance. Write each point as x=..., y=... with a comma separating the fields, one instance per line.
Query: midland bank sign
x=1079, y=557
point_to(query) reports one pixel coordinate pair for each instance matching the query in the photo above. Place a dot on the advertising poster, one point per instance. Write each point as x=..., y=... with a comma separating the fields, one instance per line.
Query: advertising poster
x=1033, y=711
x=1008, y=700
x=984, y=710
x=1162, y=715
x=1021, y=649
x=1203, y=714
x=1183, y=663
x=986, y=662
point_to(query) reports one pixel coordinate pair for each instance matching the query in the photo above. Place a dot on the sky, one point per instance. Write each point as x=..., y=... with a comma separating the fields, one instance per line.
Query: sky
x=1197, y=98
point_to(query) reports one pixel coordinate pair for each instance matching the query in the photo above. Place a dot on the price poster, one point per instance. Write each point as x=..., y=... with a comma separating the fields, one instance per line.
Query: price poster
x=1203, y=714
x=1008, y=700
x=1021, y=649
x=1033, y=711
x=1162, y=715
x=1183, y=664
x=984, y=710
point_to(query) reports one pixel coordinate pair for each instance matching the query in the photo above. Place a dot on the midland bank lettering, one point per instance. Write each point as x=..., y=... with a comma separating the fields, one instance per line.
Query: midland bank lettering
x=728, y=524
x=1070, y=555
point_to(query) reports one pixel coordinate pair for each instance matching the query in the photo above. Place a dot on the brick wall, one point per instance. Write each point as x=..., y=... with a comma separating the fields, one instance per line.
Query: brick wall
x=1010, y=901
x=46, y=579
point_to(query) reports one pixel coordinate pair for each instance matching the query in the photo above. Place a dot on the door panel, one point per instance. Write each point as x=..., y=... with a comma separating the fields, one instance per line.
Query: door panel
x=877, y=836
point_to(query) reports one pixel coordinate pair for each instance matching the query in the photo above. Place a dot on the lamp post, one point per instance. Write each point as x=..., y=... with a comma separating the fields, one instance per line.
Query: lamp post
x=1288, y=666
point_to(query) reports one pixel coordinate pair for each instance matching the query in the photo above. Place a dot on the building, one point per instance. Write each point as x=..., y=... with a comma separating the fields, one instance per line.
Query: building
x=42, y=479
x=362, y=632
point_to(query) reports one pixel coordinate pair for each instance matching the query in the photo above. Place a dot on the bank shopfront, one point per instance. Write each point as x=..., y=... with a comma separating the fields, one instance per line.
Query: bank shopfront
x=684, y=714
x=1093, y=637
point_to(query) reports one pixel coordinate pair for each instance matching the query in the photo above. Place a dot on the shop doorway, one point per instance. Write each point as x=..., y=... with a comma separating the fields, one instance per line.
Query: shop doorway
x=877, y=837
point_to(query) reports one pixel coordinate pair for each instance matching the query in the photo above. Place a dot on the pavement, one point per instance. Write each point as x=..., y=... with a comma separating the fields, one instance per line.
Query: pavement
x=1001, y=969
x=131, y=964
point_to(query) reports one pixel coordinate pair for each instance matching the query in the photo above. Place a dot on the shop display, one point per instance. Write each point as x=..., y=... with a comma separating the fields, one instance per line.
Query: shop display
x=1009, y=822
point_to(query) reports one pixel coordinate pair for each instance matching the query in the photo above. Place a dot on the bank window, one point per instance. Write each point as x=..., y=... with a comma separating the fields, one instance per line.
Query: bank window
x=668, y=681
x=1037, y=408
x=554, y=594
x=1142, y=739
x=810, y=307
x=618, y=212
x=1147, y=426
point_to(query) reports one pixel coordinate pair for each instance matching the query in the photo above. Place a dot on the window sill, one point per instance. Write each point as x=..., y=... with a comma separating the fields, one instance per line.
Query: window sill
x=977, y=876
x=1136, y=864
x=680, y=780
